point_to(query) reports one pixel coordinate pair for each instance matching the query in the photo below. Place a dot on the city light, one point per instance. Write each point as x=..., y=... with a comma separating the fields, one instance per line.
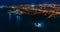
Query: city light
x=32, y=5
x=36, y=9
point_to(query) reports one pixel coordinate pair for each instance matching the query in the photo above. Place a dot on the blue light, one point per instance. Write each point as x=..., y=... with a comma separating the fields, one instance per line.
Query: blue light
x=38, y=24
x=9, y=17
x=32, y=5
x=18, y=18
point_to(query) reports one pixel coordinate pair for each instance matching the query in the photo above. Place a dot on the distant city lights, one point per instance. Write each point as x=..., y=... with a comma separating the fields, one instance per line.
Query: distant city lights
x=32, y=5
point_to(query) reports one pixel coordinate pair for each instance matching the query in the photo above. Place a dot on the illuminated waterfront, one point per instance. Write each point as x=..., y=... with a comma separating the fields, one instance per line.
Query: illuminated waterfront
x=13, y=21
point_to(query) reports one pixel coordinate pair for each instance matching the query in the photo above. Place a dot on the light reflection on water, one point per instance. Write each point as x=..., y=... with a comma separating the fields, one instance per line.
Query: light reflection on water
x=18, y=18
x=9, y=17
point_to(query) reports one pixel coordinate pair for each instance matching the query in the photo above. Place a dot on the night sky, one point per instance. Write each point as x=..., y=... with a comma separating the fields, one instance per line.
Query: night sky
x=18, y=2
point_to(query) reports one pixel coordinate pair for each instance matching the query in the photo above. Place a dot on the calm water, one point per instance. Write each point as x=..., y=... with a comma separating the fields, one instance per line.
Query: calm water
x=24, y=23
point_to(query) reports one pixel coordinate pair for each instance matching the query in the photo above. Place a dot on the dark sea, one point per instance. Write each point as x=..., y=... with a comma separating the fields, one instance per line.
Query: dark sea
x=10, y=22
